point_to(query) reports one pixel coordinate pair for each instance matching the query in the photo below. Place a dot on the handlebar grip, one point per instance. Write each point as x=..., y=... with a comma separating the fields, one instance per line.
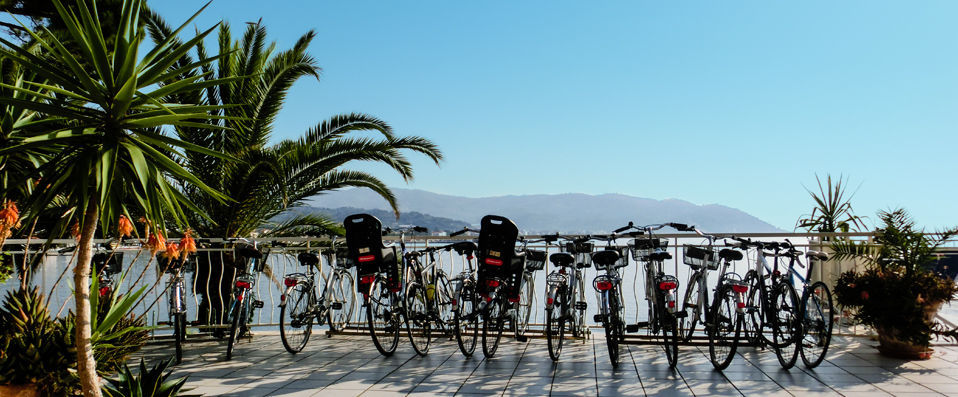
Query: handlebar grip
x=680, y=227
x=420, y=229
x=460, y=232
x=622, y=229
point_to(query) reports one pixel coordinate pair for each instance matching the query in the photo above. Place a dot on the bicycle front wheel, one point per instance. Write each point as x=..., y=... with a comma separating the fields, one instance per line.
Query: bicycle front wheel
x=492, y=327
x=383, y=318
x=340, y=300
x=690, y=305
x=179, y=334
x=524, y=309
x=786, y=329
x=723, y=328
x=295, y=317
x=417, y=318
x=466, y=320
x=817, y=317
x=754, y=312
x=443, y=297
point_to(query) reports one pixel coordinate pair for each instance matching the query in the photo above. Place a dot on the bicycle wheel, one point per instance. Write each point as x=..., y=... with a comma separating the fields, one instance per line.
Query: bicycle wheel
x=754, y=314
x=382, y=317
x=786, y=327
x=690, y=305
x=492, y=327
x=339, y=294
x=179, y=334
x=670, y=338
x=296, y=318
x=723, y=328
x=524, y=309
x=613, y=328
x=817, y=318
x=443, y=297
x=418, y=325
x=237, y=326
x=555, y=326
x=466, y=320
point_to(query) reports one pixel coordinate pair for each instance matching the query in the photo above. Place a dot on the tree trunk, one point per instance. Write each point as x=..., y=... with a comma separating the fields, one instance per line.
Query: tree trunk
x=86, y=363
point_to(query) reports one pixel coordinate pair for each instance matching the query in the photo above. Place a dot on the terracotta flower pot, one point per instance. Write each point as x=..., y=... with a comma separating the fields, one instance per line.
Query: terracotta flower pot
x=889, y=344
x=28, y=390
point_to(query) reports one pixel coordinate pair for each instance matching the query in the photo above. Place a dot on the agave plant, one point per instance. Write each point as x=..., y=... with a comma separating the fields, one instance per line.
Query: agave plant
x=152, y=382
x=833, y=210
x=104, y=109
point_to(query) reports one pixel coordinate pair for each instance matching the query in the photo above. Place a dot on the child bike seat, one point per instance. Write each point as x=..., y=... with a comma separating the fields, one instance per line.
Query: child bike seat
x=308, y=259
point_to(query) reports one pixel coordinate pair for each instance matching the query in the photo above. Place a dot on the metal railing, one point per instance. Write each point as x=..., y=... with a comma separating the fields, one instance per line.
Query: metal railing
x=140, y=268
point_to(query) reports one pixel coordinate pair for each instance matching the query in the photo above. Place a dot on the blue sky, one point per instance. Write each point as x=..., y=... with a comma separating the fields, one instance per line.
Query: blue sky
x=736, y=103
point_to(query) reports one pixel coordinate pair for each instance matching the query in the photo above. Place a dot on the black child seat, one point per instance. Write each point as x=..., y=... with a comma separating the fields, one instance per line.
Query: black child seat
x=498, y=258
x=308, y=259
x=364, y=238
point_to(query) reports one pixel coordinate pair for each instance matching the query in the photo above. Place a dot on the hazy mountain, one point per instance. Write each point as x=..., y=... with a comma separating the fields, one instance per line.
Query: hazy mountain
x=387, y=217
x=568, y=213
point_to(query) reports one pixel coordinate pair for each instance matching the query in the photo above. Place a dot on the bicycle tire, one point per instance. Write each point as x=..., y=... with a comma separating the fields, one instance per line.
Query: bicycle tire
x=669, y=325
x=418, y=323
x=380, y=306
x=179, y=331
x=613, y=328
x=691, y=307
x=493, y=319
x=443, y=297
x=786, y=330
x=340, y=291
x=524, y=307
x=236, y=312
x=555, y=326
x=724, y=328
x=295, y=323
x=466, y=337
x=754, y=313
x=818, y=320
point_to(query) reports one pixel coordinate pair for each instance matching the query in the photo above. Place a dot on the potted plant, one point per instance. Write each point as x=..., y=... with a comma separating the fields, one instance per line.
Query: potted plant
x=897, y=293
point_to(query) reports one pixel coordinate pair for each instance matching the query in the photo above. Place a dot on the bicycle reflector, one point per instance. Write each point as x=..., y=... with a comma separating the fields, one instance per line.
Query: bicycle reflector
x=367, y=258
x=492, y=283
x=493, y=262
x=740, y=288
x=291, y=282
x=667, y=285
x=550, y=301
x=243, y=284
x=603, y=285
x=367, y=279
x=740, y=305
x=671, y=304
x=104, y=291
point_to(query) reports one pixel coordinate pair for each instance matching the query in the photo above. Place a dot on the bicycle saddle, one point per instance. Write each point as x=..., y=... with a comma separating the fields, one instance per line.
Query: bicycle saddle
x=605, y=258
x=308, y=259
x=730, y=255
x=247, y=251
x=660, y=256
x=817, y=255
x=562, y=259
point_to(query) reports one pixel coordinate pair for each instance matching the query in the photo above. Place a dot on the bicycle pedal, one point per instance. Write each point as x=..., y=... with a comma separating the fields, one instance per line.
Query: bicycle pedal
x=257, y=304
x=598, y=318
x=522, y=338
x=337, y=306
x=581, y=305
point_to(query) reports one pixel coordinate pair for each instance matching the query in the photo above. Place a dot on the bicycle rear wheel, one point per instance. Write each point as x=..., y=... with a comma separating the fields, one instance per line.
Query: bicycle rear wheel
x=382, y=318
x=179, y=334
x=295, y=318
x=466, y=320
x=238, y=315
x=817, y=316
x=418, y=326
x=723, y=328
x=613, y=328
x=786, y=329
x=669, y=326
x=690, y=305
x=340, y=294
x=524, y=309
x=492, y=327
x=443, y=297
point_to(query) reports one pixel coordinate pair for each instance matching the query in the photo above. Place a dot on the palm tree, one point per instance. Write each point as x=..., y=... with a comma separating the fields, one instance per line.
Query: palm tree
x=267, y=179
x=108, y=104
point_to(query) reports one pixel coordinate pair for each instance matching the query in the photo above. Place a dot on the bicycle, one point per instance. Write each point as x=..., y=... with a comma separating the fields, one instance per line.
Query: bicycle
x=176, y=290
x=611, y=304
x=565, y=292
x=499, y=278
x=301, y=306
x=660, y=288
x=244, y=298
x=428, y=298
x=380, y=280
x=465, y=298
x=772, y=304
x=816, y=313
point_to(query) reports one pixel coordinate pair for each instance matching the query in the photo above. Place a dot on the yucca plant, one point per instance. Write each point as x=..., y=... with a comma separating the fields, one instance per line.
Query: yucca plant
x=152, y=382
x=833, y=210
x=107, y=105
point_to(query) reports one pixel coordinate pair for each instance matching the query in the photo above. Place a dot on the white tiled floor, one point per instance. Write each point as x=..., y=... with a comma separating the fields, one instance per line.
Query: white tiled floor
x=350, y=366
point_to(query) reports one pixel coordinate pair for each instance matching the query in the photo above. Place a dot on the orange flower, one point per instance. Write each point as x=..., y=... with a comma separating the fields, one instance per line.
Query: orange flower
x=156, y=242
x=187, y=244
x=172, y=250
x=75, y=230
x=125, y=228
x=9, y=215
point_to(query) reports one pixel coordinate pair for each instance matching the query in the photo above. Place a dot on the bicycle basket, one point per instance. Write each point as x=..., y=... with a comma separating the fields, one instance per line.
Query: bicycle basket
x=535, y=260
x=623, y=257
x=696, y=257
x=642, y=248
x=582, y=252
x=556, y=278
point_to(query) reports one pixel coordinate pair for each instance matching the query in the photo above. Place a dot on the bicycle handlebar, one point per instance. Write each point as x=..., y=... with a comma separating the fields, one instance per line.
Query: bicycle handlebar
x=464, y=230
